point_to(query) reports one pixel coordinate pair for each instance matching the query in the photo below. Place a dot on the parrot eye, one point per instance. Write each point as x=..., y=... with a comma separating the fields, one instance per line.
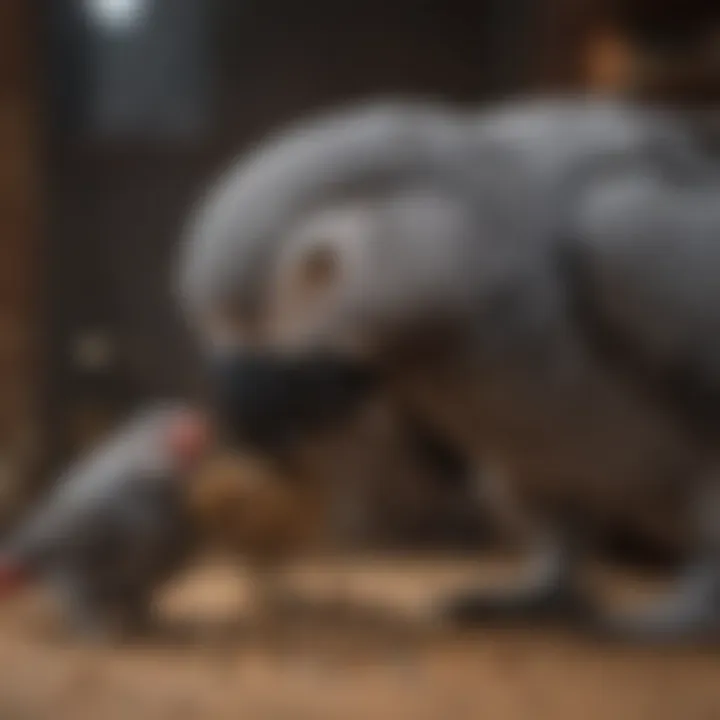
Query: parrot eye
x=308, y=277
x=319, y=268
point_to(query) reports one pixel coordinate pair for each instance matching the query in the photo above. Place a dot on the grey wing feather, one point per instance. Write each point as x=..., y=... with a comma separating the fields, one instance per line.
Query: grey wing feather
x=647, y=258
x=95, y=484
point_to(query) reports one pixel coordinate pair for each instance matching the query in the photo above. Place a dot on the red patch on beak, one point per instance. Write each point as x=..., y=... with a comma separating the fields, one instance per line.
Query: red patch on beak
x=13, y=576
x=187, y=438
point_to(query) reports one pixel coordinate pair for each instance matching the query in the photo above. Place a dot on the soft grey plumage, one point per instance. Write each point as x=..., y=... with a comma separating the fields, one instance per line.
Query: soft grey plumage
x=112, y=529
x=566, y=253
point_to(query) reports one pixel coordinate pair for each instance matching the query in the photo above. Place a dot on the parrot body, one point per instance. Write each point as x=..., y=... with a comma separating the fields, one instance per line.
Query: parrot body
x=537, y=281
x=112, y=529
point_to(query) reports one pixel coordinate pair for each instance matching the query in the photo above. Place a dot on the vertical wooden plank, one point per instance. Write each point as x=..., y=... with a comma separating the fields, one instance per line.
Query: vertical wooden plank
x=19, y=259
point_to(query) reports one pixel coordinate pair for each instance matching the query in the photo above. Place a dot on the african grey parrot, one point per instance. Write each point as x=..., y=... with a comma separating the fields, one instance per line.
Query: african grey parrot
x=538, y=280
x=114, y=526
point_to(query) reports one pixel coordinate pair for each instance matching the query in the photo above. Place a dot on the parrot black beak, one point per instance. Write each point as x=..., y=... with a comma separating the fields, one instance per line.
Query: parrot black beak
x=269, y=402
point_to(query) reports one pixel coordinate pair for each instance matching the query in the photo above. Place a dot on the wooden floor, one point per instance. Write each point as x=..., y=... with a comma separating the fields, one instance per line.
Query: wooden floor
x=210, y=661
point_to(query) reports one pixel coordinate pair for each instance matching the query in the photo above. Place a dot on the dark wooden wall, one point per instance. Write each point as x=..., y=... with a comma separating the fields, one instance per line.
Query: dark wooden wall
x=20, y=256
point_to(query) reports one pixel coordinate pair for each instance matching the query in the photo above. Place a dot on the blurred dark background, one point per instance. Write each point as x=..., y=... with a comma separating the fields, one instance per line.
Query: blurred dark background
x=113, y=113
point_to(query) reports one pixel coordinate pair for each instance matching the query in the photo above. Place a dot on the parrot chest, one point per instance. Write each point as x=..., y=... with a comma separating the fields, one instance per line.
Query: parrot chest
x=577, y=436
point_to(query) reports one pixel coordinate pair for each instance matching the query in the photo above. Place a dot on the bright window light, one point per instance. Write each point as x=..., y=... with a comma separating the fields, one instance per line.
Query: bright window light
x=117, y=15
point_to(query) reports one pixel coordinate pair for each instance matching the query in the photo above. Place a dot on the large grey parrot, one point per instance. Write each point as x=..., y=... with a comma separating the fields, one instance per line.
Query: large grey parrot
x=114, y=527
x=540, y=281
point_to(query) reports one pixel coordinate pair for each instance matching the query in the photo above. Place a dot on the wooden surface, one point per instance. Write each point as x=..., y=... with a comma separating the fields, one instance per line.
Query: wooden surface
x=334, y=666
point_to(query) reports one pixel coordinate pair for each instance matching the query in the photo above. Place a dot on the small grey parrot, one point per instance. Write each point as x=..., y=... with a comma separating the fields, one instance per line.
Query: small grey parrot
x=114, y=526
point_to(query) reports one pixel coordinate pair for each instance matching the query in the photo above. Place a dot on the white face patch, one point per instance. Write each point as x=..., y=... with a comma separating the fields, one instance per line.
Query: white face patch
x=317, y=277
